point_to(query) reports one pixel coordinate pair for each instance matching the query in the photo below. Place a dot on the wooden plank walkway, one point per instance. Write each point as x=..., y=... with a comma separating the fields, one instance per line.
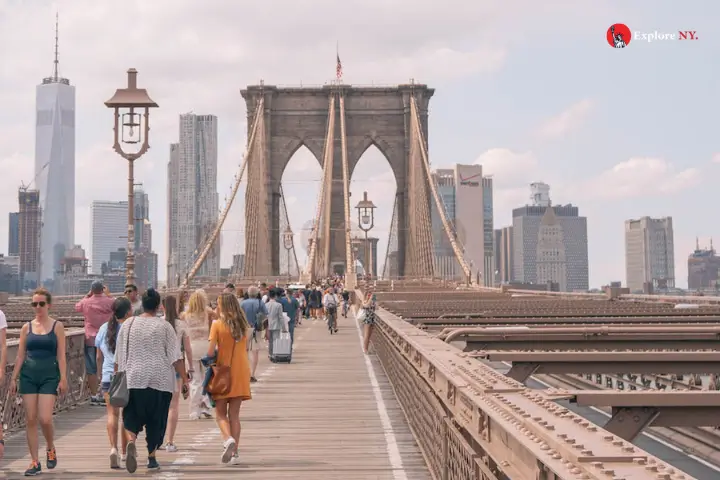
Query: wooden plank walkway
x=331, y=414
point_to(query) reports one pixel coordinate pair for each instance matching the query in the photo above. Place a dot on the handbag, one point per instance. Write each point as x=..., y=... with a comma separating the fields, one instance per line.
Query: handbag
x=360, y=316
x=118, y=393
x=221, y=380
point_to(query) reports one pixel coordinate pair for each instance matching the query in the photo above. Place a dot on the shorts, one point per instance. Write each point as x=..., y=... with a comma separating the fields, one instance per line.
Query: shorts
x=105, y=387
x=39, y=376
x=257, y=343
x=90, y=360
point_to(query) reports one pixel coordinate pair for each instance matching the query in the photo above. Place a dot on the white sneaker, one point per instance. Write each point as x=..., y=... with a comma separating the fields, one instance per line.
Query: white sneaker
x=235, y=460
x=228, y=450
x=171, y=448
x=194, y=416
x=114, y=463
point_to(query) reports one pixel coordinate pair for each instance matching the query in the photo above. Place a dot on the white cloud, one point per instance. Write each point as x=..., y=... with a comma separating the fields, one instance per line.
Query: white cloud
x=507, y=167
x=566, y=121
x=716, y=158
x=640, y=177
x=512, y=172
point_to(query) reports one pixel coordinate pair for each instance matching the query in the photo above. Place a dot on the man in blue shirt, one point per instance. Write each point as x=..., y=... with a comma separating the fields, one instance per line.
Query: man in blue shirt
x=291, y=306
x=255, y=310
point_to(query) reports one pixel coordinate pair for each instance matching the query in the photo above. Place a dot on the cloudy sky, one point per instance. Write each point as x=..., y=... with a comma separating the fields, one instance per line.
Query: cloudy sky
x=531, y=90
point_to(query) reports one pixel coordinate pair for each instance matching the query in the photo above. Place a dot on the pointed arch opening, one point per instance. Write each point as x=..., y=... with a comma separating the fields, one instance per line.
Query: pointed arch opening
x=300, y=183
x=372, y=174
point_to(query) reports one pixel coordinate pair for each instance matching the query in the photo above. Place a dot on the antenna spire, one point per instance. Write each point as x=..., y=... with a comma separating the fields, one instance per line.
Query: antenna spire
x=57, y=29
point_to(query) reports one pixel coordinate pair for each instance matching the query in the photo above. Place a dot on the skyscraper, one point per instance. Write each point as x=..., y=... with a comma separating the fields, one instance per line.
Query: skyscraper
x=29, y=236
x=649, y=253
x=703, y=268
x=488, y=233
x=13, y=233
x=467, y=199
x=192, y=198
x=55, y=166
x=504, y=255
x=108, y=231
x=550, y=245
x=146, y=261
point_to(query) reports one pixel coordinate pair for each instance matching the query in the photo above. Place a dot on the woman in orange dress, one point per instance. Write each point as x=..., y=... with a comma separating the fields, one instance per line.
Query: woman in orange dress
x=229, y=335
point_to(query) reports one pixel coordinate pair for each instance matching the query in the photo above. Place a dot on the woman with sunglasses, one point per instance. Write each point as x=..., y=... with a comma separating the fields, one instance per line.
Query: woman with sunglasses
x=40, y=366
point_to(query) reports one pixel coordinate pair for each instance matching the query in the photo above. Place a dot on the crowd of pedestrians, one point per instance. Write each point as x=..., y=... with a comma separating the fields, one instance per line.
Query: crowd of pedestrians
x=142, y=352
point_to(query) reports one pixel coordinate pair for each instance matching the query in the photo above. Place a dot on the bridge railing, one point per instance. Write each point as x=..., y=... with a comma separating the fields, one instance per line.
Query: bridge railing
x=473, y=423
x=13, y=411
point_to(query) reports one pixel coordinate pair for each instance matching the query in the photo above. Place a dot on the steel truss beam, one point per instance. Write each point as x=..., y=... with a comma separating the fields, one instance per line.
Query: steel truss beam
x=596, y=337
x=634, y=411
x=525, y=364
x=472, y=320
x=607, y=345
x=521, y=430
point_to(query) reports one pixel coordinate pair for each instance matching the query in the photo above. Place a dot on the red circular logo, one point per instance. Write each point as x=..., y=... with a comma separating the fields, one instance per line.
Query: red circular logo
x=619, y=35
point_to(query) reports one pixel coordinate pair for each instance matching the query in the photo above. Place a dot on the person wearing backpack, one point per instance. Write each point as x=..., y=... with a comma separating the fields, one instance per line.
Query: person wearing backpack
x=256, y=313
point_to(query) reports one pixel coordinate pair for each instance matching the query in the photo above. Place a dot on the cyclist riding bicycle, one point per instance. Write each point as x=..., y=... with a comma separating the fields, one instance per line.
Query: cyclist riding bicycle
x=330, y=301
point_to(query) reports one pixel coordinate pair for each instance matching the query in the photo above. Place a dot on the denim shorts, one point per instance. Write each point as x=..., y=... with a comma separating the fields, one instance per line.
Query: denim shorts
x=90, y=360
x=105, y=387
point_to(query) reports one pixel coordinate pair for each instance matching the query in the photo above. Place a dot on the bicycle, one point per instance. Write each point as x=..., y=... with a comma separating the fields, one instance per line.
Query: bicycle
x=331, y=311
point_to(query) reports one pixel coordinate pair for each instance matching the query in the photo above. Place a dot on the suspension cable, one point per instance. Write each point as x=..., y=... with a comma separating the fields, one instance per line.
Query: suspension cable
x=329, y=145
x=350, y=265
x=438, y=203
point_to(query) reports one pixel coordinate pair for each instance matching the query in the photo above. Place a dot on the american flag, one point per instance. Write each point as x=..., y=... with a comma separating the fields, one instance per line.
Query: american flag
x=338, y=67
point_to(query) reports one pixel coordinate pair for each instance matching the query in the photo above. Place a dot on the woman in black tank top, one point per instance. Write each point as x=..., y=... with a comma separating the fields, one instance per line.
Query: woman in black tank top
x=40, y=367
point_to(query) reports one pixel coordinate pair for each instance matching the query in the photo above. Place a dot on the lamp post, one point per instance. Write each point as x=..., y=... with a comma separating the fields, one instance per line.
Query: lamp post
x=131, y=106
x=288, y=238
x=366, y=221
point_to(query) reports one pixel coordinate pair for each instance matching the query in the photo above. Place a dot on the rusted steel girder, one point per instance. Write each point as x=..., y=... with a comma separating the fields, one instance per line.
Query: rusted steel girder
x=525, y=364
x=633, y=411
x=597, y=338
x=535, y=333
x=472, y=320
x=522, y=431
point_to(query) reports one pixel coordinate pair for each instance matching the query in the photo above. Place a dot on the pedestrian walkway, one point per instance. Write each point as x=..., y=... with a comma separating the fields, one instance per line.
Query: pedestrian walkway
x=331, y=414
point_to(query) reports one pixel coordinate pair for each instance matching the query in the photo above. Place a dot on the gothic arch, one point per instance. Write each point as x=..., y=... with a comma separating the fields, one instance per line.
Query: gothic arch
x=299, y=116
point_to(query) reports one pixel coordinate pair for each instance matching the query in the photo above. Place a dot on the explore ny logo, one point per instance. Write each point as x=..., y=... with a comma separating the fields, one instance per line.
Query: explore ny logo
x=619, y=35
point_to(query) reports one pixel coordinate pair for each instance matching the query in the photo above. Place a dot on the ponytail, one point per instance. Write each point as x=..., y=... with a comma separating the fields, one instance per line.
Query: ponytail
x=121, y=307
x=112, y=331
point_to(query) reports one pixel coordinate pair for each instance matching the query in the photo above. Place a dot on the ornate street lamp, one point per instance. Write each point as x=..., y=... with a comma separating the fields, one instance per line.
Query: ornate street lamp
x=366, y=221
x=288, y=240
x=131, y=107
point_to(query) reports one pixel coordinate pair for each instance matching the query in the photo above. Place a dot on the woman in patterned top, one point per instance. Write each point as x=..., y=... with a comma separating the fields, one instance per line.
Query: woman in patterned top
x=149, y=354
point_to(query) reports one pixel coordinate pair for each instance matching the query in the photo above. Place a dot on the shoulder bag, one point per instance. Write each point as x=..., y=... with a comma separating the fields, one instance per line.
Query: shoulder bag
x=221, y=380
x=118, y=392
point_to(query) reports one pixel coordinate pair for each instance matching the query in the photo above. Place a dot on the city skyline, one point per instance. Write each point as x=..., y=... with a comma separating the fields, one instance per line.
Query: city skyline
x=614, y=149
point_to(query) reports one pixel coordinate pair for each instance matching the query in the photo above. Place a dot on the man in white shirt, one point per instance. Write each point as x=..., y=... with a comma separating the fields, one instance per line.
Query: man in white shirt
x=131, y=292
x=3, y=364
